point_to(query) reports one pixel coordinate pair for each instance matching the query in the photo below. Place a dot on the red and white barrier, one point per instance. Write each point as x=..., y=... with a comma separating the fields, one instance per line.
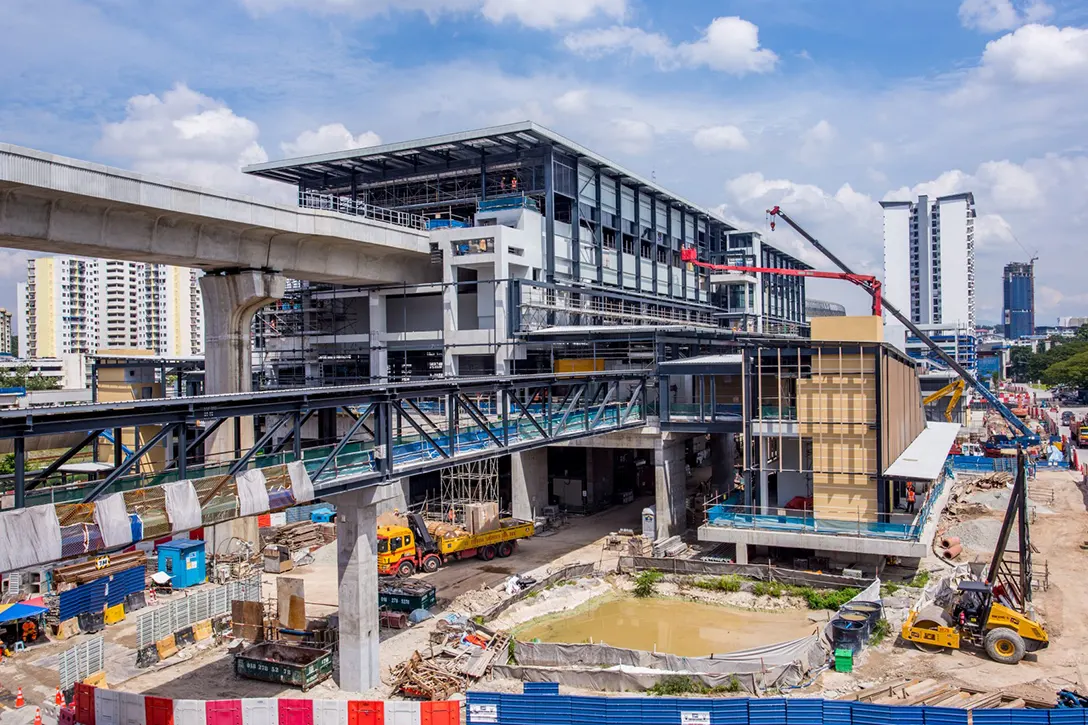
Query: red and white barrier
x=97, y=706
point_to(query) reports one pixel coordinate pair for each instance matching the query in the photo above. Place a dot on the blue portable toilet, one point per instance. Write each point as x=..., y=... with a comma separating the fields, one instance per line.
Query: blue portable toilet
x=183, y=561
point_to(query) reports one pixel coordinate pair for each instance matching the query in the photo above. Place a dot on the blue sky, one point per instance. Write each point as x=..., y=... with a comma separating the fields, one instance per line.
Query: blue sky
x=825, y=106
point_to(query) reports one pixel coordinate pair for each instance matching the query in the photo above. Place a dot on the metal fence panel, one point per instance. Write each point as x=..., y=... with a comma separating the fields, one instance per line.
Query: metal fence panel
x=80, y=662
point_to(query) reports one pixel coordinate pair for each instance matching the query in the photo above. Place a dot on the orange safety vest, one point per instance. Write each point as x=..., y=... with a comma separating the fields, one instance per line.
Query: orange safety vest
x=910, y=495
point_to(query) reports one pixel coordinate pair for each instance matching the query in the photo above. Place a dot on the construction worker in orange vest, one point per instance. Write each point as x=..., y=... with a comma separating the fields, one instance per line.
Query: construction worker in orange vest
x=910, y=498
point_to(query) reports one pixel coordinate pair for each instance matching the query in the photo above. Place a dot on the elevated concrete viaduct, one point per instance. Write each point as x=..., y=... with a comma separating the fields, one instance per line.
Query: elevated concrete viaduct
x=248, y=247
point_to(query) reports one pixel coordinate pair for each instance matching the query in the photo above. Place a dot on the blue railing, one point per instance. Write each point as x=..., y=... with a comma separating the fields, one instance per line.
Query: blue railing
x=738, y=517
x=539, y=708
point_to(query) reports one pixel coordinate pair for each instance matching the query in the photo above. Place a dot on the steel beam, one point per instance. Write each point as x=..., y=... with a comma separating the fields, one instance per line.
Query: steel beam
x=245, y=459
x=612, y=388
x=63, y=459
x=419, y=429
x=120, y=470
x=338, y=448
x=580, y=389
x=478, y=416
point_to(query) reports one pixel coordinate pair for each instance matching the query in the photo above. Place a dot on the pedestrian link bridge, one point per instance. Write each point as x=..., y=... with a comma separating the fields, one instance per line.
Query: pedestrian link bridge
x=171, y=481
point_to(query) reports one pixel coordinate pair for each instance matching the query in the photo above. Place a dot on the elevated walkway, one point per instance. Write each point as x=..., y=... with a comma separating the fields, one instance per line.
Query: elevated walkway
x=392, y=431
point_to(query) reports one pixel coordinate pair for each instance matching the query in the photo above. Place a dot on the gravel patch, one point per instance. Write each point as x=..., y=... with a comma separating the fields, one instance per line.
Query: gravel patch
x=980, y=535
x=998, y=500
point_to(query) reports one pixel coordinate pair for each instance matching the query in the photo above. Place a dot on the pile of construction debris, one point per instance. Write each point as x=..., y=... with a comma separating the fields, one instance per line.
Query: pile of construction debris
x=940, y=694
x=461, y=652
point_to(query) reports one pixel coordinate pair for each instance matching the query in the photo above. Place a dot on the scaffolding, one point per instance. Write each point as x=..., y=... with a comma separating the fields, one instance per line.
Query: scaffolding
x=464, y=484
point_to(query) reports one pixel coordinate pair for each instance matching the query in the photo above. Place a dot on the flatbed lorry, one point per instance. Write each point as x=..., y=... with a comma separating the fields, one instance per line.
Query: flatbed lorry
x=404, y=550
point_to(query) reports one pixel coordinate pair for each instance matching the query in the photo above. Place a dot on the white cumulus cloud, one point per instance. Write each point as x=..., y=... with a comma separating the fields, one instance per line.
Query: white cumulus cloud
x=631, y=135
x=720, y=138
x=991, y=16
x=188, y=136
x=531, y=13
x=1038, y=54
x=576, y=101
x=728, y=44
x=326, y=139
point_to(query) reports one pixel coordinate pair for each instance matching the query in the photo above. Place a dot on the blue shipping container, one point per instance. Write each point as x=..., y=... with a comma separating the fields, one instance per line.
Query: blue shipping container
x=183, y=561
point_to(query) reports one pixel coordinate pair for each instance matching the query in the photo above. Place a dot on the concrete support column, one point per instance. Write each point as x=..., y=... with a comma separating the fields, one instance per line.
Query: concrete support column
x=670, y=485
x=230, y=301
x=379, y=347
x=451, y=318
x=722, y=465
x=357, y=581
x=528, y=483
x=741, y=556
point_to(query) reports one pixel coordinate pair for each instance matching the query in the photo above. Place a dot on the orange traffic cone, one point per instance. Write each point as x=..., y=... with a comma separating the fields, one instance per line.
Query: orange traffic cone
x=19, y=701
x=37, y=716
x=59, y=698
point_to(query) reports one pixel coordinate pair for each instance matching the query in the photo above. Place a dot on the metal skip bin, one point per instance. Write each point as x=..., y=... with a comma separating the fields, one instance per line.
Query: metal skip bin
x=284, y=663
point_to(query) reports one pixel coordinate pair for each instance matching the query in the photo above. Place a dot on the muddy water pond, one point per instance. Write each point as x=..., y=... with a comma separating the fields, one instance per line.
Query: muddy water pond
x=673, y=626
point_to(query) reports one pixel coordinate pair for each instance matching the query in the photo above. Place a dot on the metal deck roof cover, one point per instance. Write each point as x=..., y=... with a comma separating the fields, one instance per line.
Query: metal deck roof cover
x=437, y=152
x=925, y=456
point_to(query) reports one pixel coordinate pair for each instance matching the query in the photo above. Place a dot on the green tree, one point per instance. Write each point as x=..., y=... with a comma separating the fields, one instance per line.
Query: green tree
x=20, y=377
x=1082, y=332
x=1072, y=371
x=7, y=463
x=1019, y=359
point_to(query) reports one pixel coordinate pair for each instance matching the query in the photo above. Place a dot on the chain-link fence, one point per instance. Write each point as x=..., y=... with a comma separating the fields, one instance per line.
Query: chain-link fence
x=80, y=662
x=153, y=625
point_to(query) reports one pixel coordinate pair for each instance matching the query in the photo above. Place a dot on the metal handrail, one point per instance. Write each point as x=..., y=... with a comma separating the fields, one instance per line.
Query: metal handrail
x=344, y=205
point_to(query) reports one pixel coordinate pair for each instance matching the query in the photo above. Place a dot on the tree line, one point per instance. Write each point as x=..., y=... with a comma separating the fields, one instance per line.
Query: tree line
x=1064, y=361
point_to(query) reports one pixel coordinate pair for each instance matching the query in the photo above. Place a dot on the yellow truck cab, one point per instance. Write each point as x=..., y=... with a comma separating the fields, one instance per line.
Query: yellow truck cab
x=404, y=550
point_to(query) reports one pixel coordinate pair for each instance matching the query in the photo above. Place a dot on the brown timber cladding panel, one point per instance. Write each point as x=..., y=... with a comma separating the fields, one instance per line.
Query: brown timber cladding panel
x=903, y=417
x=836, y=407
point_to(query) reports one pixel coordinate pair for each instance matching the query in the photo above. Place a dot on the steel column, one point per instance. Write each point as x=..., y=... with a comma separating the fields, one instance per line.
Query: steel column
x=20, y=472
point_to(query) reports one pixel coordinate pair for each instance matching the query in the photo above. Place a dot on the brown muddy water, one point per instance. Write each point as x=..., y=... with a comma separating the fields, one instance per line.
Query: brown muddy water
x=673, y=626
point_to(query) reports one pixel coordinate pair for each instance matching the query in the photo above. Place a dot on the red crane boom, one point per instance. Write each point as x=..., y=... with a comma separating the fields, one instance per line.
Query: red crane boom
x=869, y=283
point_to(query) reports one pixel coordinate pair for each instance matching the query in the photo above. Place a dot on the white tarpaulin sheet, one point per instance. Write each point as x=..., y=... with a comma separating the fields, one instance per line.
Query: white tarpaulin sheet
x=301, y=485
x=182, y=506
x=113, y=521
x=29, y=536
x=252, y=492
x=784, y=663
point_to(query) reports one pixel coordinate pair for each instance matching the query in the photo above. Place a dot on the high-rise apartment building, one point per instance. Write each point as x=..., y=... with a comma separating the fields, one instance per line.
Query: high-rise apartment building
x=73, y=305
x=1019, y=307
x=5, y=332
x=929, y=271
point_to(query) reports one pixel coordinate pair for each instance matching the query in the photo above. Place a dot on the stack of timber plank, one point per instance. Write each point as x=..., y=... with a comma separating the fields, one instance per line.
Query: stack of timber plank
x=940, y=694
x=303, y=535
x=88, y=571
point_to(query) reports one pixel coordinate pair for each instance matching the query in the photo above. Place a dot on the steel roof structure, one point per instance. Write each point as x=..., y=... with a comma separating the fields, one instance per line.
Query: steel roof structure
x=450, y=153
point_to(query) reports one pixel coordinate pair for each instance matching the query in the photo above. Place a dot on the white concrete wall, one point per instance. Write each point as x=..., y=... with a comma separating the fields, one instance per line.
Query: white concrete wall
x=957, y=264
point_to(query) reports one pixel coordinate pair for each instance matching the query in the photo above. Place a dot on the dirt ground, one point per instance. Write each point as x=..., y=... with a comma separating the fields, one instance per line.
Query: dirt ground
x=1063, y=608
x=209, y=674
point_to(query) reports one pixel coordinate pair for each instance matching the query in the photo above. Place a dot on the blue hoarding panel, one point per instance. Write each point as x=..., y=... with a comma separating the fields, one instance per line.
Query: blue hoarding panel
x=771, y=711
